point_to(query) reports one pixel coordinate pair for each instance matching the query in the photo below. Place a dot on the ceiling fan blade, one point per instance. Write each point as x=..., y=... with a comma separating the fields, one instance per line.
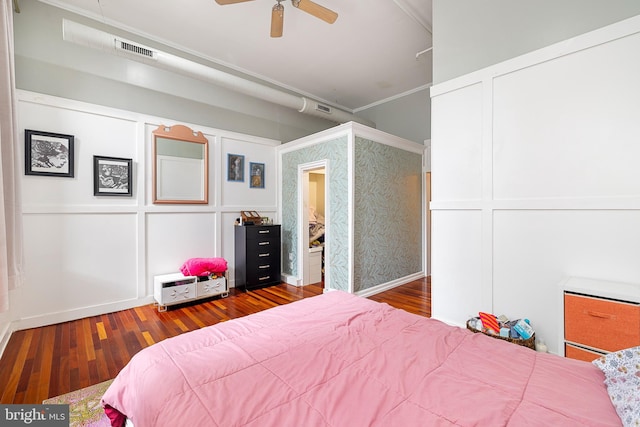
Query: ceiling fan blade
x=316, y=10
x=223, y=2
x=277, y=20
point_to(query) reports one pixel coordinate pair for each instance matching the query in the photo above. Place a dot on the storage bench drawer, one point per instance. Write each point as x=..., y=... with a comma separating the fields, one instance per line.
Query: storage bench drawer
x=178, y=294
x=212, y=287
x=601, y=323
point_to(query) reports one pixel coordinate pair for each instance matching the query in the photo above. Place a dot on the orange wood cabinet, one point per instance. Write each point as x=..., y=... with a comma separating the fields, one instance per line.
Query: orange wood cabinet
x=594, y=325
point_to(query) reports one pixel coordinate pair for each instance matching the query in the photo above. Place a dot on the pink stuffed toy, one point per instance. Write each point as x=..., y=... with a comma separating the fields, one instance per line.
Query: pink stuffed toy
x=204, y=266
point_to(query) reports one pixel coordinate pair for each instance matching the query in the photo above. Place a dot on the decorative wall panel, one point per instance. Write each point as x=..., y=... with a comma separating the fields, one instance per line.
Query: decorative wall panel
x=556, y=140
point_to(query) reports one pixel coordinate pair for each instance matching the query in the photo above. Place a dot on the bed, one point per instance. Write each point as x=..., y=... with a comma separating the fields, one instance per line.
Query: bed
x=342, y=360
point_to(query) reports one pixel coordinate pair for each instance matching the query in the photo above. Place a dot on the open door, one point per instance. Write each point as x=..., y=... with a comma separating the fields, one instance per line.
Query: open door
x=428, y=221
x=313, y=241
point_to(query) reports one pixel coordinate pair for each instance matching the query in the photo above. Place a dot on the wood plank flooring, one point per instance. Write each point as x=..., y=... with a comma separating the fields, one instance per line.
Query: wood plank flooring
x=45, y=362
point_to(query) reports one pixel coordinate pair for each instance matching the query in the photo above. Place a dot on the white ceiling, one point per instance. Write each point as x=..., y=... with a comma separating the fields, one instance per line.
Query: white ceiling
x=367, y=56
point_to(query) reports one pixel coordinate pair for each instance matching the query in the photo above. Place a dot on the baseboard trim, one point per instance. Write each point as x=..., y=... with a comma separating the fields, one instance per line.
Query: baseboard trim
x=390, y=285
x=290, y=280
x=5, y=336
x=450, y=322
x=80, y=313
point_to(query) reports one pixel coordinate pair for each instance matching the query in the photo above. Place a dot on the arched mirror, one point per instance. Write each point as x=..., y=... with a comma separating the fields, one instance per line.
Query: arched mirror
x=180, y=166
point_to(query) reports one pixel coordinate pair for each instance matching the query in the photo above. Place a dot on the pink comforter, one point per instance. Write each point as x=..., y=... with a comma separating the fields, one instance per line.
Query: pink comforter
x=343, y=360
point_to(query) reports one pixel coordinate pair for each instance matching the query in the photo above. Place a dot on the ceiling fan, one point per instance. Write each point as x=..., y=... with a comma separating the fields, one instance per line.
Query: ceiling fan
x=277, y=13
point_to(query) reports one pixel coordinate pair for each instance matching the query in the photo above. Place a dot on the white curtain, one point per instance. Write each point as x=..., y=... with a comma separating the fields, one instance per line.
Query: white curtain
x=11, y=255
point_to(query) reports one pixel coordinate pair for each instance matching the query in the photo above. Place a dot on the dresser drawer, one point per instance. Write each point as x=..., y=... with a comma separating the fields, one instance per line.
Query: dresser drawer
x=262, y=247
x=262, y=255
x=265, y=273
x=604, y=324
x=579, y=353
x=257, y=232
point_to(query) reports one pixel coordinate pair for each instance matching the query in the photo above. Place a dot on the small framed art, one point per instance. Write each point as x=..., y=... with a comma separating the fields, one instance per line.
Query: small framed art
x=48, y=153
x=257, y=175
x=111, y=176
x=235, y=167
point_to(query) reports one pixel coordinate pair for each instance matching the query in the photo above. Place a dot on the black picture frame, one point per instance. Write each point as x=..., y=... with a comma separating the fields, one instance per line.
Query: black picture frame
x=112, y=176
x=48, y=154
x=256, y=179
x=235, y=167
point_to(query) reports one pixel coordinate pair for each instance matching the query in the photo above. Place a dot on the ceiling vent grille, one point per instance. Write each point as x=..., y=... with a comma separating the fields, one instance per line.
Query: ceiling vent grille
x=323, y=108
x=136, y=49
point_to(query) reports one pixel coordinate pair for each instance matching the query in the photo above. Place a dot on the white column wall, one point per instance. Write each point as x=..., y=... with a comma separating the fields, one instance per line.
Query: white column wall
x=535, y=177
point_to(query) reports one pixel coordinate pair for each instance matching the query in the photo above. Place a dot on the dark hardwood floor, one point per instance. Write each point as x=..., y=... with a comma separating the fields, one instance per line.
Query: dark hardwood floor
x=45, y=362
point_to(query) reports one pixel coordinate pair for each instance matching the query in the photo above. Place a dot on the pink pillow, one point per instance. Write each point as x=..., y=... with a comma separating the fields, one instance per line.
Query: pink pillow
x=116, y=417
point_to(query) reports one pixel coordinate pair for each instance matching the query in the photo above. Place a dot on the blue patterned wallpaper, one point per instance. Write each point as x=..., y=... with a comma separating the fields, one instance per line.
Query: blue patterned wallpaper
x=338, y=246
x=387, y=212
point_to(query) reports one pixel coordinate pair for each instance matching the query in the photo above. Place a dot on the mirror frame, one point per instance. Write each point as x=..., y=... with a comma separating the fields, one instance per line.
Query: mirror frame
x=185, y=134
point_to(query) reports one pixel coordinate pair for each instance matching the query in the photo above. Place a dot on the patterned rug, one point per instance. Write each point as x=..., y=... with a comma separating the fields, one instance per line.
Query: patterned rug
x=84, y=406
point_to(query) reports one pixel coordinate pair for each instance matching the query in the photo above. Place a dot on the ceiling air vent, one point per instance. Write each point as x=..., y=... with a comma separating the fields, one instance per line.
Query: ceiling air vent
x=323, y=108
x=136, y=49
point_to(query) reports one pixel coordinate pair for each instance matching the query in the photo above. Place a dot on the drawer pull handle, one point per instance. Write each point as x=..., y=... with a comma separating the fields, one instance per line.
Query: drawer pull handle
x=264, y=266
x=264, y=255
x=600, y=315
x=264, y=231
x=264, y=278
x=263, y=243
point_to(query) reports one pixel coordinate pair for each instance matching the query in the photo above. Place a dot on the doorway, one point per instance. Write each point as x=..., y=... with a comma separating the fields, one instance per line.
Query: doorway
x=428, y=223
x=313, y=230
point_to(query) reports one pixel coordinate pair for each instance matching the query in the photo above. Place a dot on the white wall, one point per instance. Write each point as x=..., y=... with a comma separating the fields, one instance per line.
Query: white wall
x=407, y=116
x=472, y=34
x=317, y=191
x=536, y=176
x=86, y=255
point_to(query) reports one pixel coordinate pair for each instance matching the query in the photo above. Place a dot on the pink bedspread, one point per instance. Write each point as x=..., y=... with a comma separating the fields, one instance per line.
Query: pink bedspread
x=343, y=360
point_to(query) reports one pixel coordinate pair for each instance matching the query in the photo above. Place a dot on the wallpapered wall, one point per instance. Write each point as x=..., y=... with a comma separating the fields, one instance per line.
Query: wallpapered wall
x=388, y=213
x=338, y=248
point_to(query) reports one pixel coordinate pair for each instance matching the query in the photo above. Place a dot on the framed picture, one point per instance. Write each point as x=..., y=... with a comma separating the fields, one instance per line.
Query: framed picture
x=257, y=175
x=235, y=167
x=111, y=176
x=47, y=153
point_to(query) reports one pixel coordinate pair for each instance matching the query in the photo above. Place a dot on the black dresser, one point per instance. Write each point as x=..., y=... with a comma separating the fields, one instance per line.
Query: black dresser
x=257, y=249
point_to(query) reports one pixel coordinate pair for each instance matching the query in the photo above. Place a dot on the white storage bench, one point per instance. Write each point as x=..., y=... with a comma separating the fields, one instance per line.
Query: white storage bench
x=176, y=288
